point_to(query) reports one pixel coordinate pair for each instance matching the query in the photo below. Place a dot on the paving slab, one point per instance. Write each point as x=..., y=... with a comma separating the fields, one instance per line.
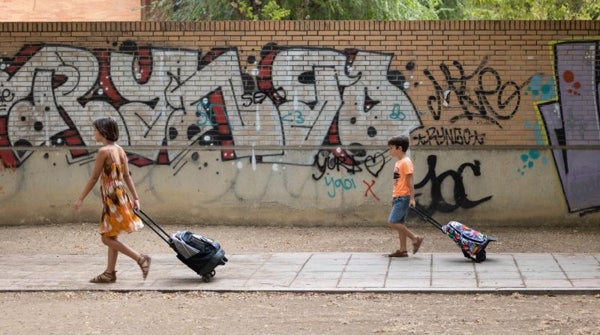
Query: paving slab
x=315, y=272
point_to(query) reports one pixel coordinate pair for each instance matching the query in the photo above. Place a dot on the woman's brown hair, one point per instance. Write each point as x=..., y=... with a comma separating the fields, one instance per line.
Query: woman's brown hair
x=108, y=128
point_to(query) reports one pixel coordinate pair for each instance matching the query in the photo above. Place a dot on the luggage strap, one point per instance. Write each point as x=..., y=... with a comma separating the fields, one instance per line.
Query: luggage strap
x=425, y=216
x=153, y=225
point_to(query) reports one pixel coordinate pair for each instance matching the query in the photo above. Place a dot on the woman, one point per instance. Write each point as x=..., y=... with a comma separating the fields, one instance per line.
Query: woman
x=117, y=207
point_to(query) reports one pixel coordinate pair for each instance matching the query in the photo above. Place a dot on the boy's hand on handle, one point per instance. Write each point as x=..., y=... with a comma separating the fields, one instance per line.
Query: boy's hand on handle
x=136, y=204
x=412, y=203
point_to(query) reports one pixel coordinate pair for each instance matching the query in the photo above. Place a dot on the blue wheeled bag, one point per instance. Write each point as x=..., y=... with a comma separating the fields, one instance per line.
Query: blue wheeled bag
x=472, y=243
x=198, y=252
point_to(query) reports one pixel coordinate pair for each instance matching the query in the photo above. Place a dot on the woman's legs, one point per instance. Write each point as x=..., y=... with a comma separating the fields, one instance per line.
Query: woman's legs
x=110, y=274
x=114, y=247
x=112, y=259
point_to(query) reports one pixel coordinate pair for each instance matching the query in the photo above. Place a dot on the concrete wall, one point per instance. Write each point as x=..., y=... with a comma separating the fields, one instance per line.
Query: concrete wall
x=287, y=122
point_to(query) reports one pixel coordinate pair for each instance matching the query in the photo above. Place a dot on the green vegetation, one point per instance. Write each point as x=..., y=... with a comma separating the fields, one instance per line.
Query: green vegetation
x=211, y=10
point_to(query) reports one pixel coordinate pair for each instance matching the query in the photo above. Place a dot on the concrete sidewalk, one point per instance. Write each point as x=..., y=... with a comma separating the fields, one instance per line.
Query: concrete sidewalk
x=315, y=272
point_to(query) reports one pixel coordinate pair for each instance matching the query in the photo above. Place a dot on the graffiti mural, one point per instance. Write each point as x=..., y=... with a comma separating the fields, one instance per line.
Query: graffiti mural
x=573, y=119
x=491, y=101
x=438, y=202
x=174, y=99
x=482, y=99
x=338, y=106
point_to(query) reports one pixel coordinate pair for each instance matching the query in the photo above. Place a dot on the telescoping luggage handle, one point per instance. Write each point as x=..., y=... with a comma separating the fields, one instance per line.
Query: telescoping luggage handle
x=420, y=212
x=153, y=225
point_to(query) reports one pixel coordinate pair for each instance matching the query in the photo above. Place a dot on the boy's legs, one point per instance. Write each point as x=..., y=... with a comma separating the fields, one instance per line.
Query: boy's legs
x=403, y=233
x=400, y=206
x=402, y=237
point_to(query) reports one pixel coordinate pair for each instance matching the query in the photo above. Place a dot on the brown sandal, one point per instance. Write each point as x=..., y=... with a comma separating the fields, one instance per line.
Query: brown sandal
x=399, y=253
x=144, y=263
x=417, y=244
x=105, y=278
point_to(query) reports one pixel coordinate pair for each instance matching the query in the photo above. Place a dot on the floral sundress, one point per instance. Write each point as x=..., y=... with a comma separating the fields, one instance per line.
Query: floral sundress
x=117, y=210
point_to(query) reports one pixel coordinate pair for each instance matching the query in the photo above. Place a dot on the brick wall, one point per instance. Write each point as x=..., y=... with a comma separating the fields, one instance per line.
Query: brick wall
x=508, y=53
x=283, y=93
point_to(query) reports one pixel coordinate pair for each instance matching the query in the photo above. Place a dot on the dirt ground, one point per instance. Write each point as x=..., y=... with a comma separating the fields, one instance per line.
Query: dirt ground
x=199, y=312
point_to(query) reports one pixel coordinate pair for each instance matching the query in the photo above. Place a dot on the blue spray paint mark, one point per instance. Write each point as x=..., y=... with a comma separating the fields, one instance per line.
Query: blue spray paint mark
x=541, y=87
x=537, y=132
x=529, y=159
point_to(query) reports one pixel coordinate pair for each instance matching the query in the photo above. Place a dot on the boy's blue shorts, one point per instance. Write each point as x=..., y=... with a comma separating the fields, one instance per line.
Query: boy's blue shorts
x=399, y=209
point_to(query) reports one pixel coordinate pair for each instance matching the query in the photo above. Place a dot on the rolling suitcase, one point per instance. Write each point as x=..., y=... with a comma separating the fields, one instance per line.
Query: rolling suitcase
x=198, y=252
x=471, y=242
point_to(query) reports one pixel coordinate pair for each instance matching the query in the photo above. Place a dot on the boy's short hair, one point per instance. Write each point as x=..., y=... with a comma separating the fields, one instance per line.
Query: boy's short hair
x=399, y=141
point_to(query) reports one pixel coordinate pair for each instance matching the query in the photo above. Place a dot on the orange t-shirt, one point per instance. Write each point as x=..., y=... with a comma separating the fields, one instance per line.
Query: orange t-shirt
x=402, y=168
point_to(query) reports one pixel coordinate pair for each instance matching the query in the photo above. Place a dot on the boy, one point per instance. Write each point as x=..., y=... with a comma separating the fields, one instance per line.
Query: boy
x=403, y=195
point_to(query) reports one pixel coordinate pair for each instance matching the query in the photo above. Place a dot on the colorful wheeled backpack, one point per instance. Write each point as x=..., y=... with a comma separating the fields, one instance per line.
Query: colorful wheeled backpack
x=472, y=243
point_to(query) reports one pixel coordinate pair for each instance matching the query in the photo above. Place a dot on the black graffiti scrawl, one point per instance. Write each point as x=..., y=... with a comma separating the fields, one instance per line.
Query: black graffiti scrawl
x=573, y=119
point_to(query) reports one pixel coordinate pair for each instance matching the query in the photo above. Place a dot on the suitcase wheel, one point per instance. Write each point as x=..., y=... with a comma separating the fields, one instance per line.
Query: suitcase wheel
x=466, y=254
x=480, y=256
x=207, y=277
